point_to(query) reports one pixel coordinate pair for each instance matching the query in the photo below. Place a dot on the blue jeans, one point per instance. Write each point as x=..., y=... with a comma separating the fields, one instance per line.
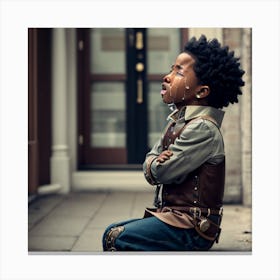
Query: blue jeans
x=151, y=234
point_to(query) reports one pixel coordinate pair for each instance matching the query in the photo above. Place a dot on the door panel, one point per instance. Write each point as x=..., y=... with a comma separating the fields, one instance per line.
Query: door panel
x=107, y=48
x=121, y=114
x=136, y=95
x=107, y=97
x=108, y=128
x=163, y=46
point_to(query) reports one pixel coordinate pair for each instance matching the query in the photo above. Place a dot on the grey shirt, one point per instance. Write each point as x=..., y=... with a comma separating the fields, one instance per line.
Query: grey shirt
x=200, y=142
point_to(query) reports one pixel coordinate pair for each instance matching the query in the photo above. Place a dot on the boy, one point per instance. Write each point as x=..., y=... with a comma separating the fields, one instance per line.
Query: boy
x=187, y=165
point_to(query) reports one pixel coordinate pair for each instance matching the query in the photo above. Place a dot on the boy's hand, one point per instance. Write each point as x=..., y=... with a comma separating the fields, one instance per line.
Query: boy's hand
x=165, y=155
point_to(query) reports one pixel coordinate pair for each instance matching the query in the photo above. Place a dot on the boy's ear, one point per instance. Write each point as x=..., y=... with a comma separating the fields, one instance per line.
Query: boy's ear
x=203, y=92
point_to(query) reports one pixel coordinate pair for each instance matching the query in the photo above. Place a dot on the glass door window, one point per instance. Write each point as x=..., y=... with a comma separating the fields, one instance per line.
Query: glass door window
x=107, y=98
x=108, y=115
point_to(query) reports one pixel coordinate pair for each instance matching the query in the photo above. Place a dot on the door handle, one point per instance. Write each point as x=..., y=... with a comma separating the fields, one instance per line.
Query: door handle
x=139, y=41
x=139, y=91
x=139, y=68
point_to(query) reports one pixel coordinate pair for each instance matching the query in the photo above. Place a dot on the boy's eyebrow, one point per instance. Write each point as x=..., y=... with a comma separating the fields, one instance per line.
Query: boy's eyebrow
x=177, y=66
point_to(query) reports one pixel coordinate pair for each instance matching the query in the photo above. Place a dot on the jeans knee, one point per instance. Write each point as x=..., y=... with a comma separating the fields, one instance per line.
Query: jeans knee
x=110, y=237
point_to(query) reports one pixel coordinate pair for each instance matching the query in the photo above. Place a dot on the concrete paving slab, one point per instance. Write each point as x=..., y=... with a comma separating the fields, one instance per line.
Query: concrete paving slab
x=41, y=207
x=76, y=209
x=88, y=195
x=60, y=226
x=89, y=241
x=50, y=243
x=102, y=221
x=236, y=232
x=120, y=202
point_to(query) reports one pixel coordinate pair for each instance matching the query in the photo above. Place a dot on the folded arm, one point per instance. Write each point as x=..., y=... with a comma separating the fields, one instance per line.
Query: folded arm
x=198, y=143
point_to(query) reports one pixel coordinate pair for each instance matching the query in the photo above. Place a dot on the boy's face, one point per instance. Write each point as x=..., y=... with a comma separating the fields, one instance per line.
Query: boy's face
x=180, y=86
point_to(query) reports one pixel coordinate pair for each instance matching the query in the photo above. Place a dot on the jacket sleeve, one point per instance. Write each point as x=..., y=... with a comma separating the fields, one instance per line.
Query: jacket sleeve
x=150, y=157
x=194, y=147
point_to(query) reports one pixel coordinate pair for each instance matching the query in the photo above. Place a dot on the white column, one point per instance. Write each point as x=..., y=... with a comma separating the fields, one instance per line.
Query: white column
x=60, y=162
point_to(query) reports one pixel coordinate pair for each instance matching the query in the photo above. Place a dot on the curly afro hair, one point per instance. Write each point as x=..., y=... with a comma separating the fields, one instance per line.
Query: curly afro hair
x=216, y=67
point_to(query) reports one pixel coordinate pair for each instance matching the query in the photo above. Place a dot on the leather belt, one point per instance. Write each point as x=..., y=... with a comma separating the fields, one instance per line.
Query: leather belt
x=196, y=211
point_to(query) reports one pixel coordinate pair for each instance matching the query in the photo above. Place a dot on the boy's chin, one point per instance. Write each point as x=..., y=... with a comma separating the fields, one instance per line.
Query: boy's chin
x=167, y=101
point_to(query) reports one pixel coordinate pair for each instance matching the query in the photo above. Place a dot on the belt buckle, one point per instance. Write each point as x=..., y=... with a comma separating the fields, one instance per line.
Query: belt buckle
x=174, y=211
x=196, y=211
x=167, y=209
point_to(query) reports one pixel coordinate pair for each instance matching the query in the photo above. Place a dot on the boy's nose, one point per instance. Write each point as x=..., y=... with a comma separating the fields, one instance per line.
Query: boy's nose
x=166, y=79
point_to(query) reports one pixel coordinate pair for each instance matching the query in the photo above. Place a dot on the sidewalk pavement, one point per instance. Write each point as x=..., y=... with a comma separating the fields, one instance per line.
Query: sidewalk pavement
x=75, y=222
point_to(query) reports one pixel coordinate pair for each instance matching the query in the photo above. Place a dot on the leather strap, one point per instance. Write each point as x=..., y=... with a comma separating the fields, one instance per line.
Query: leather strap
x=195, y=210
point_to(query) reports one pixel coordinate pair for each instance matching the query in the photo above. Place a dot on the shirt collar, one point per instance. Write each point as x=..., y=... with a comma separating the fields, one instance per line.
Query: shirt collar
x=193, y=111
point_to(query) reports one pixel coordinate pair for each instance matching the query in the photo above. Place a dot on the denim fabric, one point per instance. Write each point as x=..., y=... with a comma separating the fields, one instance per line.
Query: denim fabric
x=151, y=234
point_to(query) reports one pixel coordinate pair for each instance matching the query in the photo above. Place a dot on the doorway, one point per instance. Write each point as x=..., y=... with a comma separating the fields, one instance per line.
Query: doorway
x=120, y=111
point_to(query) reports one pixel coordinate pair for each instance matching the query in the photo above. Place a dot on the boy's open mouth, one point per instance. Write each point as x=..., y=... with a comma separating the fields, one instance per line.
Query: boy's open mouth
x=163, y=89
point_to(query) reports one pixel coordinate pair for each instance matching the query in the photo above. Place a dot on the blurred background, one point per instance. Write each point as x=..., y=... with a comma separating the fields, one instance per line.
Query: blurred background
x=95, y=107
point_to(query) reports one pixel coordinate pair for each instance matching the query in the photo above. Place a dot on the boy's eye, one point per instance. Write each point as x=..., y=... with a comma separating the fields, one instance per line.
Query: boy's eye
x=180, y=74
